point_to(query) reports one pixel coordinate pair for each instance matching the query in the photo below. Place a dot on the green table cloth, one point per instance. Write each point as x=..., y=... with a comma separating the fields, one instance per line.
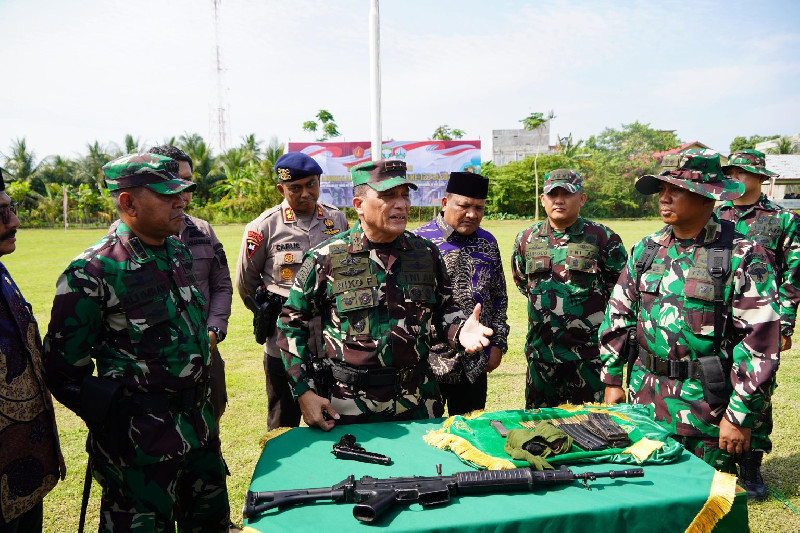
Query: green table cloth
x=668, y=498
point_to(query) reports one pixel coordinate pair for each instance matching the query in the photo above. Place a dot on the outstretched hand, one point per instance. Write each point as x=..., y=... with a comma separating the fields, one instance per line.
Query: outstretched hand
x=474, y=336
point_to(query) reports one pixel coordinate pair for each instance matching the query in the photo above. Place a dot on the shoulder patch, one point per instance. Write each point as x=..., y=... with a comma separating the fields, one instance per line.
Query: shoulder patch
x=758, y=271
x=254, y=240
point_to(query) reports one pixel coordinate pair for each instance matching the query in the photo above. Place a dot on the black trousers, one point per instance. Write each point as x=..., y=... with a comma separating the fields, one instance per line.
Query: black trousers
x=282, y=410
x=461, y=398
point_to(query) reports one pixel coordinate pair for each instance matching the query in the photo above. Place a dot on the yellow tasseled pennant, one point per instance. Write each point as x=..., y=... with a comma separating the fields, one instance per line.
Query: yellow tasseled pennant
x=466, y=451
x=271, y=434
x=719, y=502
x=643, y=448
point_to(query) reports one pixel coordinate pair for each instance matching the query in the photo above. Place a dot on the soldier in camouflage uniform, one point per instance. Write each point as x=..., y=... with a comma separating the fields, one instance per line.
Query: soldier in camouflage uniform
x=710, y=400
x=130, y=306
x=566, y=266
x=378, y=290
x=777, y=230
x=271, y=253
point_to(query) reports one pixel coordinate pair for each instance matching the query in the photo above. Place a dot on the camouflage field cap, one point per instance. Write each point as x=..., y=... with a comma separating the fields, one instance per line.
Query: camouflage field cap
x=381, y=175
x=751, y=161
x=697, y=171
x=156, y=172
x=565, y=178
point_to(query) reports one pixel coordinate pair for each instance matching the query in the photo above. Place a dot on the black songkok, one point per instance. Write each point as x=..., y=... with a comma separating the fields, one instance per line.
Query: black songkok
x=468, y=184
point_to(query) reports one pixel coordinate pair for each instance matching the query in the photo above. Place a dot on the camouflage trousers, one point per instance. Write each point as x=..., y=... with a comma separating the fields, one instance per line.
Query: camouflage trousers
x=708, y=450
x=190, y=490
x=417, y=400
x=552, y=384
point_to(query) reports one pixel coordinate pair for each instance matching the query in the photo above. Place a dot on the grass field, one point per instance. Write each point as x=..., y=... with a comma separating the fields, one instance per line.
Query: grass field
x=42, y=254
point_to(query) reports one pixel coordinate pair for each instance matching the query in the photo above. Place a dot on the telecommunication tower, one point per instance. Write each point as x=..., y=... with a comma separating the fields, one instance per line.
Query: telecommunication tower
x=219, y=116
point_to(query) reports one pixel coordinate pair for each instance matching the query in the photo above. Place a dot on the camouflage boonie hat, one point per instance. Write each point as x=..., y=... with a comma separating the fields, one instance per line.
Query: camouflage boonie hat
x=697, y=171
x=381, y=175
x=751, y=161
x=158, y=173
x=567, y=179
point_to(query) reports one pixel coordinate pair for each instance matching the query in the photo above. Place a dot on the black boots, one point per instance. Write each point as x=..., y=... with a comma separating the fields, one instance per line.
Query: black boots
x=750, y=475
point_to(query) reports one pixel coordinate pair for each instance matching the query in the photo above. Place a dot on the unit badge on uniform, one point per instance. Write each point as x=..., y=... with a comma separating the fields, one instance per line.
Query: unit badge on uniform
x=254, y=240
x=331, y=229
x=286, y=273
x=288, y=258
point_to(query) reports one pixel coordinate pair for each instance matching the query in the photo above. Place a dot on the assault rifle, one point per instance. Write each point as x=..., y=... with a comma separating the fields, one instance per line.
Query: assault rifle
x=373, y=496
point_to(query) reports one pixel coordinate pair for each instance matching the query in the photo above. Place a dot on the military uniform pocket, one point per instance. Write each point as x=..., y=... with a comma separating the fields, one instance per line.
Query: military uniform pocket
x=419, y=301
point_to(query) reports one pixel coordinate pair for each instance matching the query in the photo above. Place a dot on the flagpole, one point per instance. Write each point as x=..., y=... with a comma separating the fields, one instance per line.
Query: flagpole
x=375, y=78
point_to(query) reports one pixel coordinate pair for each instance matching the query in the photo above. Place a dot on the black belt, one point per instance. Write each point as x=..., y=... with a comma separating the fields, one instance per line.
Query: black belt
x=670, y=368
x=142, y=403
x=363, y=378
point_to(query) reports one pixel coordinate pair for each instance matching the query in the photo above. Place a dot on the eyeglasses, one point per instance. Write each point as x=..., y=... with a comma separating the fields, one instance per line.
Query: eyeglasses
x=6, y=210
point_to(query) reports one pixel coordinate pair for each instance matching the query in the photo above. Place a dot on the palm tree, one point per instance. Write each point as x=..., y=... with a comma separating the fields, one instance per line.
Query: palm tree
x=206, y=172
x=274, y=150
x=21, y=164
x=90, y=167
x=251, y=147
x=530, y=123
x=784, y=146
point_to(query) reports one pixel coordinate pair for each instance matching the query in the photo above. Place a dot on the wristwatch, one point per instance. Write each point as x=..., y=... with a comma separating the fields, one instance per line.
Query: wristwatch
x=787, y=331
x=218, y=332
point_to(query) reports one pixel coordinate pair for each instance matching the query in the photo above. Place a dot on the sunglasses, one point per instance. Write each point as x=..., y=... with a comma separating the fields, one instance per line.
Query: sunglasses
x=6, y=210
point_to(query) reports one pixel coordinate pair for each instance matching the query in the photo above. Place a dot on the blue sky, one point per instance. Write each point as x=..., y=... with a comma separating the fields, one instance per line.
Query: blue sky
x=76, y=72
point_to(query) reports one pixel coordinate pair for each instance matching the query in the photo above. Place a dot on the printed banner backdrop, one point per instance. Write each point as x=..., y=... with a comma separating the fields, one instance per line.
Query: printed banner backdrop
x=429, y=165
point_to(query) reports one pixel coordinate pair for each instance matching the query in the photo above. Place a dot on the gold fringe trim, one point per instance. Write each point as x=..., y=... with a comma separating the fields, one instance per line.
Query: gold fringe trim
x=467, y=416
x=248, y=529
x=643, y=449
x=466, y=451
x=719, y=503
x=271, y=434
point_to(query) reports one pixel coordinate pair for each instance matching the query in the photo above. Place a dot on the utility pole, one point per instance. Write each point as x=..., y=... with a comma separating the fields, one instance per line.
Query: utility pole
x=375, y=79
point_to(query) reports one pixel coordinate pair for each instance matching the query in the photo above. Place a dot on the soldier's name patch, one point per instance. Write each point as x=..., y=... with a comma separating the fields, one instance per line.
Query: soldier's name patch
x=363, y=281
x=416, y=277
x=287, y=246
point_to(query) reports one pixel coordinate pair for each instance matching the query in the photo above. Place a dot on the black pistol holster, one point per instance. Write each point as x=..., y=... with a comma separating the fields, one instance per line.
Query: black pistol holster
x=266, y=306
x=99, y=397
